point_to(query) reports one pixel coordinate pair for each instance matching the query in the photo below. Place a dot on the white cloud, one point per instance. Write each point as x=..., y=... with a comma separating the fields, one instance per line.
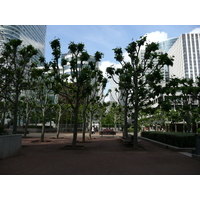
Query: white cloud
x=156, y=36
x=126, y=57
x=103, y=65
x=111, y=84
x=196, y=30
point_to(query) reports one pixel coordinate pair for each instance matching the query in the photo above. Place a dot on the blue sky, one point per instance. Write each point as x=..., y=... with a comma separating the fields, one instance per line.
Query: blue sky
x=106, y=37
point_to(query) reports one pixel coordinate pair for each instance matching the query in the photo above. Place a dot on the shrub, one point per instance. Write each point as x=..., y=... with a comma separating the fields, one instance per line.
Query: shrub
x=1, y=130
x=131, y=129
x=171, y=138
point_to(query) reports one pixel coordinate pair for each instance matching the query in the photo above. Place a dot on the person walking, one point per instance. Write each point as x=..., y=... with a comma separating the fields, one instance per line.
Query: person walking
x=93, y=132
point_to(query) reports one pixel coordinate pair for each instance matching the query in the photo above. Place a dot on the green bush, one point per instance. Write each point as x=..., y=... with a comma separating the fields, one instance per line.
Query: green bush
x=171, y=138
x=1, y=130
x=131, y=129
x=37, y=127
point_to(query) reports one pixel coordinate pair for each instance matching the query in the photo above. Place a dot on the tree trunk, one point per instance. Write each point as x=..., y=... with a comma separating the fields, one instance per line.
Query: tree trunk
x=90, y=125
x=74, y=140
x=58, y=124
x=136, y=110
x=15, y=112
x=27, y=119
x=3, y=118
x=100, y=124
x=115, y=122
x=188, y=122
x=135, y=144
x=175, y=128
x=26, y=125
x=84, y=127
x=43, y=125
x=125, y=130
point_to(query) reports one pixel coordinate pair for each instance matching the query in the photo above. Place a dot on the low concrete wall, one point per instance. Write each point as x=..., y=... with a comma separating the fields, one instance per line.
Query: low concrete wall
x=10, y=145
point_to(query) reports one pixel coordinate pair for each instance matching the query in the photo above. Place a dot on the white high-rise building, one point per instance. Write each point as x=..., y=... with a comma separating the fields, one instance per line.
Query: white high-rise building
x=68, y=57
x=186, y=52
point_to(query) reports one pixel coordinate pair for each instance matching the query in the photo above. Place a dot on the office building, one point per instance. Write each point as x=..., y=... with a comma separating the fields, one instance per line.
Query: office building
x=164, y=47
x=34, y=35
x=186, y=52
x=167, y=44
x=68, y=57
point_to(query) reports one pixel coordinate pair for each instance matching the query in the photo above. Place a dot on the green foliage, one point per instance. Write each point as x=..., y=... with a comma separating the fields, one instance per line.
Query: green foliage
x=139, y=79
x=174, y=139
x=180, y=95
x=84, y=81
x=16, y=67
x=1, y=129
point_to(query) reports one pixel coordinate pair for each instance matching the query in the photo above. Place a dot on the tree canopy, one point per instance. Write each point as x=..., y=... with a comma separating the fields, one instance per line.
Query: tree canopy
x=139, y=78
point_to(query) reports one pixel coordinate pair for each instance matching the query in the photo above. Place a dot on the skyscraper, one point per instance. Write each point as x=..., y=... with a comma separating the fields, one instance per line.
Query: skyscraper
x=186, y=52
x=167, y=44
x=164, y=47
x=68, y=57
x=34, y=35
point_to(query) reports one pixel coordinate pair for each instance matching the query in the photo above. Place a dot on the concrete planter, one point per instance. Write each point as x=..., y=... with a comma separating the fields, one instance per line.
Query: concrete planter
x=9, y=145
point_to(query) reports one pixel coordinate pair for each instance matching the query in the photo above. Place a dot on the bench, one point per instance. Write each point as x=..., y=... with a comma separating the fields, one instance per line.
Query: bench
x=107, y=132
x=129, y=139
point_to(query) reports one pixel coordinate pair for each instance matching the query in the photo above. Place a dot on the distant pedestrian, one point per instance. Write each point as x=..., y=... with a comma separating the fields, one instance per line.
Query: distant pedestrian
x=93, y=132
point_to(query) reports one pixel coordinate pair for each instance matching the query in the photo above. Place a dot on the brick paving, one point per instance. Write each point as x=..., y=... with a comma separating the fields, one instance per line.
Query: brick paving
x=100, y=156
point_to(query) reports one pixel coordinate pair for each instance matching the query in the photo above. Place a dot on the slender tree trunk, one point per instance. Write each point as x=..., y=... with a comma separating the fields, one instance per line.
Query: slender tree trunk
x=26, y=125
x=90, y=125
x=135, y=144
x=43, y=124
x=3, y=119
x=74, y=140
x=58, y=124
x=15, y=111
x=125, y=130
x=100, y=124
x=136, y=110
x=84, y=127
x=188, y=122
x=115, y=122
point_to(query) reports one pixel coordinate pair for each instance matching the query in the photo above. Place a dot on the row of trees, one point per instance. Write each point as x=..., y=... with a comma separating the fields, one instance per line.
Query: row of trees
x=141, y=82
x=180, y=100
x=47, y=89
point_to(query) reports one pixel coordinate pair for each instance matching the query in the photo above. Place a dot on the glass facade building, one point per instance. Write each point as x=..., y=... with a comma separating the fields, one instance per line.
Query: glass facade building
x=186, y=52
x=34, y=35
x=167, y=44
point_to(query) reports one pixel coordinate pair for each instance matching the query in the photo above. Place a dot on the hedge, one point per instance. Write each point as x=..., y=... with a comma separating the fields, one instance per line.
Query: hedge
x=175, y=139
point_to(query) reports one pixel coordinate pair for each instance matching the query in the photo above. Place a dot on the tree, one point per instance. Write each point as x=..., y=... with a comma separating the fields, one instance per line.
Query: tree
x=180, y=96
x=61, y=108
x=44, y=93
x=74, y=87
x=15, y=66
x=28, y=100
x=113, y=116
x=140, y=77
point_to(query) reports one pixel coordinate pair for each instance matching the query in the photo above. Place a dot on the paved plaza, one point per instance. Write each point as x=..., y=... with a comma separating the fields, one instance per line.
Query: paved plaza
x=100, y=156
